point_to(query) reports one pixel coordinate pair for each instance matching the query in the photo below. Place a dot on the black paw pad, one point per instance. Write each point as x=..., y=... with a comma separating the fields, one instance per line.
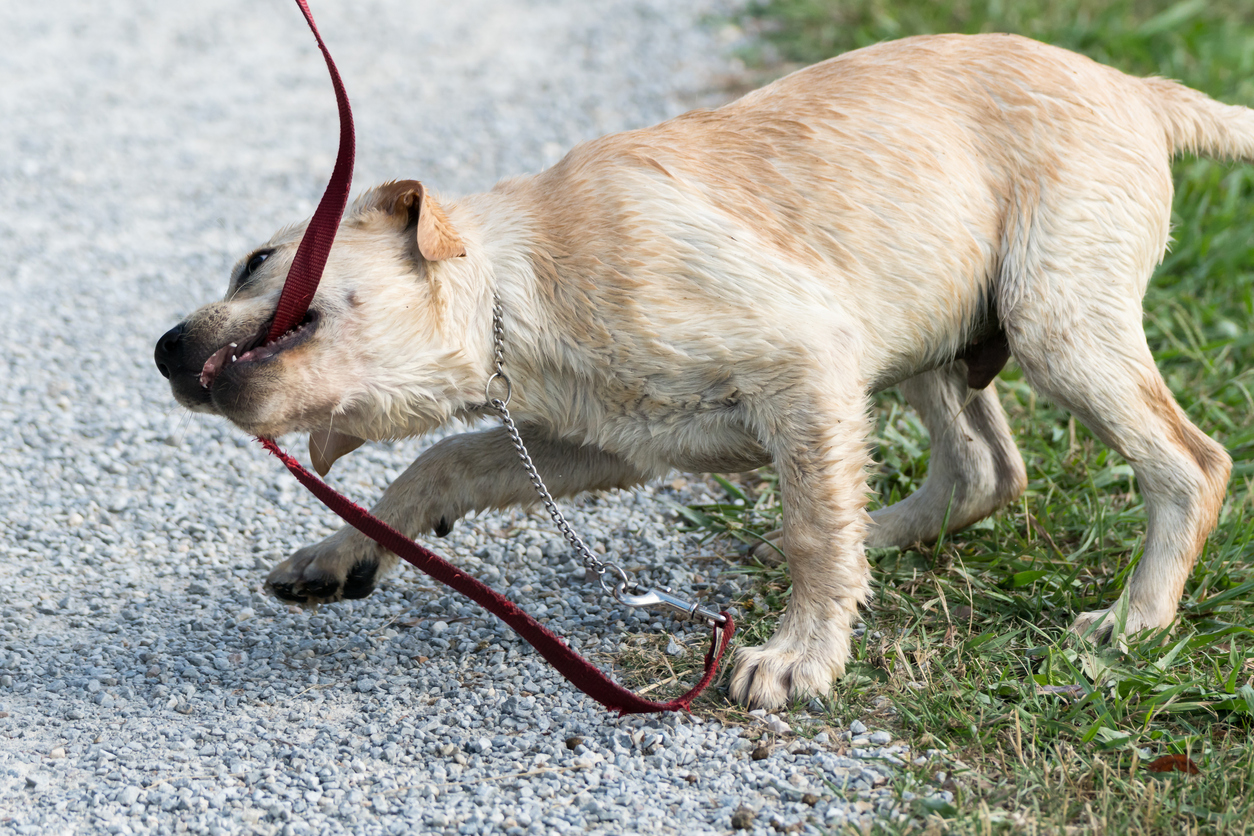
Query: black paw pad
x=286, y=592
x=360, y=580
x=324, y=586
x=443, y=527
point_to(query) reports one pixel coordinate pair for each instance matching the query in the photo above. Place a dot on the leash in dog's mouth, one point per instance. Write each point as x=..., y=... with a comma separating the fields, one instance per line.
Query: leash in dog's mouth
x=258, y=348
x=294, y=323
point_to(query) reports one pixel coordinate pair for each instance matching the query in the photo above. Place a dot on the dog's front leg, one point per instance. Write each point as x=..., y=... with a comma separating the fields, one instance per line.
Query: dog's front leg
x=469, y=472
x=821, y=455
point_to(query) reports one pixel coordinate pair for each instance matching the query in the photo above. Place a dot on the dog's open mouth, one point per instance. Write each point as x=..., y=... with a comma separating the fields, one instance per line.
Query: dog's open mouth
x=256, y=349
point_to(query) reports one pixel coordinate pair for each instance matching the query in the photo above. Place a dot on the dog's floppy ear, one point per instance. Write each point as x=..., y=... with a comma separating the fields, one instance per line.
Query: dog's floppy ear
x=325, y=446
x=437, y=240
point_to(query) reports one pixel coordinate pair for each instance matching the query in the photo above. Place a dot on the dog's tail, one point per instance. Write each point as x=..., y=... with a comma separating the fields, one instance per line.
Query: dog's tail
x=1197, y=124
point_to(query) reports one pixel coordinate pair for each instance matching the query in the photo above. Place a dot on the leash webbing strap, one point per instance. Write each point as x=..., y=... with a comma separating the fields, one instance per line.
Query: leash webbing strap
x=579, y=671
x=315, y=246
x=298, y=292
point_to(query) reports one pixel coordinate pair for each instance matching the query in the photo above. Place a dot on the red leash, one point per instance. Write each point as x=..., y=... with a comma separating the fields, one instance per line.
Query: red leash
x=581, y=673
x=298, y=292
x=315, y=246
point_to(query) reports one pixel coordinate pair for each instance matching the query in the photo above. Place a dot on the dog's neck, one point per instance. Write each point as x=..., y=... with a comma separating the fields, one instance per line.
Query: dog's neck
x=513, y=256
x=495, y=267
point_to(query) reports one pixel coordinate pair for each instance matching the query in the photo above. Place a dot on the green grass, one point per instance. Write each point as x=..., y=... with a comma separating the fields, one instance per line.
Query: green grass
x=965, y=646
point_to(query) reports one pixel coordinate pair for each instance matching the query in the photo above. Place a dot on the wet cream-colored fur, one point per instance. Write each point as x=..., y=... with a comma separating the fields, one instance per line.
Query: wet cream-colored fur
x=728, y=288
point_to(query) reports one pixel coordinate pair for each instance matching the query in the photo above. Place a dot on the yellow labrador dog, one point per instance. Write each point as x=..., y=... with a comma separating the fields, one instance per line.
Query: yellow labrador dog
x=727, y=289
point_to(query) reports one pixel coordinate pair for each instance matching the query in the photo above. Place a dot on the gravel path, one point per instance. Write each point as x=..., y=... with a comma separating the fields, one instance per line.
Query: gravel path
x=146, y=685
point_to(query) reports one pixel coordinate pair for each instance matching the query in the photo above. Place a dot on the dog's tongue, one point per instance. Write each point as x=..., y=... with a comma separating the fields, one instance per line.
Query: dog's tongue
x=215, y=362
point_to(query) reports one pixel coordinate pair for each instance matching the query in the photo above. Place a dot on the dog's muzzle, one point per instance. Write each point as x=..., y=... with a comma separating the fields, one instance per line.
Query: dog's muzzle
x=168, y=350
x=174, y=361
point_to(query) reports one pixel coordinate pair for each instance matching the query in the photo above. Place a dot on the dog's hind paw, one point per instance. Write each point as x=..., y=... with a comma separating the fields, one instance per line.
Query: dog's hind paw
x=1097, y=626
x=769, y=550
x=332, y=570
x=1104, y=626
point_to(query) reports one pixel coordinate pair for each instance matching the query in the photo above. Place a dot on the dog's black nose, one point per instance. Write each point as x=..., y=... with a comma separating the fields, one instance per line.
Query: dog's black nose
x=168, y=349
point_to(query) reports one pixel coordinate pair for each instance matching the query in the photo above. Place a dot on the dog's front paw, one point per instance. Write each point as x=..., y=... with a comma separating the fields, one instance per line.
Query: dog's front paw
x=790, y=667
x=345, y=565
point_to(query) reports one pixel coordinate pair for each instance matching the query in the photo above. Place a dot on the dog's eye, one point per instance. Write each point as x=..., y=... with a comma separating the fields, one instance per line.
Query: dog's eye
x=254, y=263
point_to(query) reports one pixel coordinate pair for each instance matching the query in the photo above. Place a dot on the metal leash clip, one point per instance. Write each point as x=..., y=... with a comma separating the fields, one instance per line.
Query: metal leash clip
x=638, y=596
x=664, y=600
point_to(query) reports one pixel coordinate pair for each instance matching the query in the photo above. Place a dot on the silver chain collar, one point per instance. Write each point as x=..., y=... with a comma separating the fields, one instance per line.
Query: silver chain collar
x=618, y=583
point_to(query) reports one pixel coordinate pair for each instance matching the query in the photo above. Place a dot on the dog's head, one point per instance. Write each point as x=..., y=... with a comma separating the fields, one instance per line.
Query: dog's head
x=382, y=352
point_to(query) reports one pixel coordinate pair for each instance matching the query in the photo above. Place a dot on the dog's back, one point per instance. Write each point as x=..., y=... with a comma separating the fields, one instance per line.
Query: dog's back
x=908, y=177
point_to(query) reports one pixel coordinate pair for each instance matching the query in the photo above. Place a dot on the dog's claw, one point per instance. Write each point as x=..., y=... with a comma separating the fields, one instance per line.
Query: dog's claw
x=741, y=690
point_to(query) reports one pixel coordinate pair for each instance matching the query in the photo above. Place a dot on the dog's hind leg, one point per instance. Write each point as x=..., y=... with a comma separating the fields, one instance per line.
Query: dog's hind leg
x=468, y=472
x=974, y=468
x=1072, y=313
x=1105, y=375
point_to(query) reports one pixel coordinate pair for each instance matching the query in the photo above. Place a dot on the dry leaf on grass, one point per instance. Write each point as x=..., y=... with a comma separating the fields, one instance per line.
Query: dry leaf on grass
x=1174, y=763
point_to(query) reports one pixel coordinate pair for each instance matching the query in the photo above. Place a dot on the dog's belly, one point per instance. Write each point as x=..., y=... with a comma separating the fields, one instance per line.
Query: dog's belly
x=725, y=451
x=735, y=460
x=700, y=442
x=986, y=352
